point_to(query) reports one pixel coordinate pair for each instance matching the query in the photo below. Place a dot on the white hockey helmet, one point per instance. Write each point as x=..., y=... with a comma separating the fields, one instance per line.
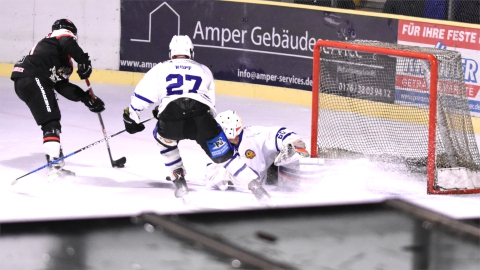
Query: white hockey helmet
x=231, y=123
x=181, y=45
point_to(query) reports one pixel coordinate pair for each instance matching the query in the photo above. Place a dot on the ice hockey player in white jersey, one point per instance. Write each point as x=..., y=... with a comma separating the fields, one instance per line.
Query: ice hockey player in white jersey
x=185, y=91
x=258, y=146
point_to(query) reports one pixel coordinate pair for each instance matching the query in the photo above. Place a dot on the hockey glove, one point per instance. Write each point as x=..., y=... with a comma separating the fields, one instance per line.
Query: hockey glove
x=130, y=125
x=155, y=112
x=217, y=176
x=96, y=105
x=85, y=68
x=291, y=152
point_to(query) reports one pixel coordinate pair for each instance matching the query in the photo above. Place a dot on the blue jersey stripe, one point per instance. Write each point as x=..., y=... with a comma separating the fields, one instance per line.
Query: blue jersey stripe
x=240, y=170
x=286, y=136
x=143, y=98
x=168, y=150
x=276, y=141
x=174, y=162
x=135, y=109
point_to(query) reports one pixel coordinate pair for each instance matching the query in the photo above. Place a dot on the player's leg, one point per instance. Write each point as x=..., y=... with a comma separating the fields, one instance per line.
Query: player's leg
x=167, y=133
x=172, y=159
x=215, y=144
x=40, y=98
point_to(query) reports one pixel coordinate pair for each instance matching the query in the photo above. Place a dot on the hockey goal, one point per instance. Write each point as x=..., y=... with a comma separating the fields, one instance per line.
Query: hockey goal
x=397, y=104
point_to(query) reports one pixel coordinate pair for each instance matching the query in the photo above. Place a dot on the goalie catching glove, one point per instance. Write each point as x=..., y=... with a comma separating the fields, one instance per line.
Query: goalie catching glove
x=130, y=125
x=292, y=151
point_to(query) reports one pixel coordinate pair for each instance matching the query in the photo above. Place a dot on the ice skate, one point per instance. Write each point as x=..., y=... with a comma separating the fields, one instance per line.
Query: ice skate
x=259, y=192
x=55, y=174
x=181, y=188
x=56, y=170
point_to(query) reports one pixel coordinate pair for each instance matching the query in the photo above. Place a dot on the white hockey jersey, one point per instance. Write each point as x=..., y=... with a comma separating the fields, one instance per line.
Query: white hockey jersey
x=170, y=80
x=259, y=145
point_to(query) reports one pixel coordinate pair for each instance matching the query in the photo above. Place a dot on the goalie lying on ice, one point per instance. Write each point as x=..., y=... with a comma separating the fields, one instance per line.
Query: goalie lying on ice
x=258, y=146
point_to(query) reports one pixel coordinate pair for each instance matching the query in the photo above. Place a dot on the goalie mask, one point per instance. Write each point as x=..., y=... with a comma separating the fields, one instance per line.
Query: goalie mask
x=181, y=45
x=231, y=123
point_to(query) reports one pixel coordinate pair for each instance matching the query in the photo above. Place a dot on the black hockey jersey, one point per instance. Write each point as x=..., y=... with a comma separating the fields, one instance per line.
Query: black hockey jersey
x=51, y=57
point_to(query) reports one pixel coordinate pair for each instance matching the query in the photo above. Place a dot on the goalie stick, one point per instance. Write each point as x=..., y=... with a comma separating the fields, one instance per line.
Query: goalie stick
x=230, y=184
x=119, y=163
x=73, y=153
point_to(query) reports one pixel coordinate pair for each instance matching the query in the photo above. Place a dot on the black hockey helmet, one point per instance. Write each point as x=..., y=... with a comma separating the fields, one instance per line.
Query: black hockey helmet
x=64, y=24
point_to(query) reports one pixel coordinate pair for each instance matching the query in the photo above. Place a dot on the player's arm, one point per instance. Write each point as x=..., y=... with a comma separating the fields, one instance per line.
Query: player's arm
x=146, y=93
x=210, y=84
x=70, y=45
x=217, y=176
x=73, y=92
x=70, y=91
x=290, y=146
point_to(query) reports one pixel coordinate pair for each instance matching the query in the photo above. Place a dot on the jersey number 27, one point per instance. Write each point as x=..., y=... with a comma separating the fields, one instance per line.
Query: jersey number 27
x=177, y=81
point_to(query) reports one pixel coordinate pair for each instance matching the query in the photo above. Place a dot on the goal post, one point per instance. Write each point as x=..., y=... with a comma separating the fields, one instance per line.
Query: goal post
x=395, y=103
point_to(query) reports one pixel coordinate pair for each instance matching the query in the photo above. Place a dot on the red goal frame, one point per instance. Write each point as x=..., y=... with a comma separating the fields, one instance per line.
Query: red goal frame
x=432, y=111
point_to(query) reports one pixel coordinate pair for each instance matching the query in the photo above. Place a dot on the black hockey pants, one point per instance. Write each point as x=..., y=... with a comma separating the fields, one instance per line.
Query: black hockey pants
x=39, y=95
x=186, y=118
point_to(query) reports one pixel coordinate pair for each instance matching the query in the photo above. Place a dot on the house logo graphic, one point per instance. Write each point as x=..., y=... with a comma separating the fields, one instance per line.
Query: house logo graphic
x=164, y=5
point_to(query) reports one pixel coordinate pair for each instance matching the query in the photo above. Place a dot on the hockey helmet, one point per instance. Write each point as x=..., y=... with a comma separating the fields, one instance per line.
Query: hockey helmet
x=64, y=24
x=231, y=123
x=181, y=45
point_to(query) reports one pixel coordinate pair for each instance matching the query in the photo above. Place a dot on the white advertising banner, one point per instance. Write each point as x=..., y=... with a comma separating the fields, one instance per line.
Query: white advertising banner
x=462, y=39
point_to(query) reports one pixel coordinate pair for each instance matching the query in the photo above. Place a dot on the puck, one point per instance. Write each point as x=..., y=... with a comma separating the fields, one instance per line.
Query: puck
x=266, y=236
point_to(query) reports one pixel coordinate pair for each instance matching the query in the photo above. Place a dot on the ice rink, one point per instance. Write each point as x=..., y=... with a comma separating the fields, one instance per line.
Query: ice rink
x=99, y=190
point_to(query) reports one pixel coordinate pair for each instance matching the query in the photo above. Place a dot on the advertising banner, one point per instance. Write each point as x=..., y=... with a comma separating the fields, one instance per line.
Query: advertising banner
x=358, y=75
x=464, y=40
x=241, y=42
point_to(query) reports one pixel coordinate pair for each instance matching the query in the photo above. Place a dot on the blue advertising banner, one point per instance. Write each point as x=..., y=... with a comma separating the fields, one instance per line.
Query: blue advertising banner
x=241, y=42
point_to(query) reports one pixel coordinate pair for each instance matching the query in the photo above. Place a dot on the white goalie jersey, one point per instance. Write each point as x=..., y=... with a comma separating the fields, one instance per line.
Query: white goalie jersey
x=259, y=147
x=170, y=80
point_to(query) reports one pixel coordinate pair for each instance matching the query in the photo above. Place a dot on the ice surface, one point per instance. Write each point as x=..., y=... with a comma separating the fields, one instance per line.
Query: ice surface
x=102, y=191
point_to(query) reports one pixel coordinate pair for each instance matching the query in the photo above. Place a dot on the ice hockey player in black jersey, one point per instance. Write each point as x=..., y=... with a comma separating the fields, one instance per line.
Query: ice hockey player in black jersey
x=44, y=72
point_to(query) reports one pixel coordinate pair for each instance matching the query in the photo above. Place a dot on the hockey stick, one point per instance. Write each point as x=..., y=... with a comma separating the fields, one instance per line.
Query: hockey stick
x=119, y=163
x=73, y=153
